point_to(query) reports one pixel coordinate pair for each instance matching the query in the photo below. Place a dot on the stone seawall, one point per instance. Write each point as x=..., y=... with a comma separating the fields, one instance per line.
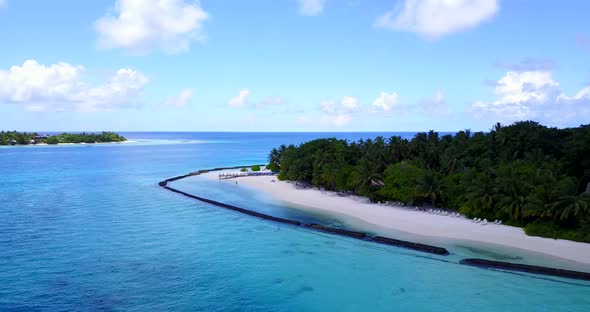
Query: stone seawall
x=317, y=227
x=481, y=263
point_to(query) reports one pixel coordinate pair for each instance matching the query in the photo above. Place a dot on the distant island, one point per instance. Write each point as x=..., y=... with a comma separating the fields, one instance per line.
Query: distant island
x=25, y=138
x=525, y=174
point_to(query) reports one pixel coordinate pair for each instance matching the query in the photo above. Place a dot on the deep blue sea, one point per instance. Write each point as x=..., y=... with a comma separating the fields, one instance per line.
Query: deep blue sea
x=86, y=228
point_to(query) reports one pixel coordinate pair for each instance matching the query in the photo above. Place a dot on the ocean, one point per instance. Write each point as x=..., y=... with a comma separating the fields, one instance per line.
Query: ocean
x=86, y=228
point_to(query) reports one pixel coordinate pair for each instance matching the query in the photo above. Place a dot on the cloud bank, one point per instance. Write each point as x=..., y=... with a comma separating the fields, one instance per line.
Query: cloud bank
x=535, y=95
x=140, y=26
x=61, y=87
x=385, y=102
x=438, y=18
x=338, y=113
x=239, y=100
x=179, y=100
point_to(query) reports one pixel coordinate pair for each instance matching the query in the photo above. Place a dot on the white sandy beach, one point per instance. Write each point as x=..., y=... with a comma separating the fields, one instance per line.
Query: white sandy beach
x=419, y=223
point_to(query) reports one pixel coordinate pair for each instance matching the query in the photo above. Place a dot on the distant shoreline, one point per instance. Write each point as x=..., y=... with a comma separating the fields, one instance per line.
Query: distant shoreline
x=14, y=138
x=67, y=144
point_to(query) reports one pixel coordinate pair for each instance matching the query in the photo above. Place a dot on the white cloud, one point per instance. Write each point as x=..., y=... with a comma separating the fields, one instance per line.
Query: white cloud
x=269, y=104
x=581, y=95
x=239, y=100
x=179, y=100
x=140, y=26
x=436, y=106
x=60, y=87
x=328, y=106
x=386, y=102
x=437, y=18
x=311, y=7
x=519, y=93
x=349, y=103
x=337, y=120
x=345, y=105
x=338, y=113
x=534, y=95
x=340, y=120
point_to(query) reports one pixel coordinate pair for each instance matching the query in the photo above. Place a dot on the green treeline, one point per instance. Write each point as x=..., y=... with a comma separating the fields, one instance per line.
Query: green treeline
x=525, y=174
x=24, y=138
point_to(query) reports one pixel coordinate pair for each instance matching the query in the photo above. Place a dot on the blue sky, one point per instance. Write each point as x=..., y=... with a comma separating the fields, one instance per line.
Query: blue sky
x=292, y=65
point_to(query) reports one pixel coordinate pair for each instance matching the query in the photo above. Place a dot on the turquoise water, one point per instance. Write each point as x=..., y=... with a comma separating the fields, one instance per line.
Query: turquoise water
x=87, y=228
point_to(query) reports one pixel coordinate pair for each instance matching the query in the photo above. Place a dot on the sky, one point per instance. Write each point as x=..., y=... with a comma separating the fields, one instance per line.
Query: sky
x=292, y=65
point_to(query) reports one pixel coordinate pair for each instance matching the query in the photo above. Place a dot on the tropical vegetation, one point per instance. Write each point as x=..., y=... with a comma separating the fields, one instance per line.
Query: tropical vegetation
x=525, y=174
x=24, y=138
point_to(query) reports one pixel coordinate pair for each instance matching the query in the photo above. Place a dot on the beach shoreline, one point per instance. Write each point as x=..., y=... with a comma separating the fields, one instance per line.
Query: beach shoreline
x=401, y=219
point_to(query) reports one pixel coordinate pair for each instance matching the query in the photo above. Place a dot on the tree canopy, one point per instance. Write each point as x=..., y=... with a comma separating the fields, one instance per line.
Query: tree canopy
x=526, y=174
x=24, y=138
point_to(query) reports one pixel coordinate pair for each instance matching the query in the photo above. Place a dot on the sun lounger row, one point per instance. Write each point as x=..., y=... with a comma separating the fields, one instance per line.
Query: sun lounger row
x=444, y=213
x=485, y=221
x=391, y=203
x=245, y=174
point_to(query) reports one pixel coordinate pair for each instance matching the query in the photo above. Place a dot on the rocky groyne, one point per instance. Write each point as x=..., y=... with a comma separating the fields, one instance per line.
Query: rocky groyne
x=482, y=263
x=489, y=264
x=317, y=227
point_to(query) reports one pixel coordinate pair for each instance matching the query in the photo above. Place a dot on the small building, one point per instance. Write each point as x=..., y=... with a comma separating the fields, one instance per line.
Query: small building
x=377, y=183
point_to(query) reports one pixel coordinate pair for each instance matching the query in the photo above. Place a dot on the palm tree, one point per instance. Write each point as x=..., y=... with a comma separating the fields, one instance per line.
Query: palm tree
x=365, y=175
x=398, y=149
x=274, y=157
x=328, y=177
x=430, y=185
x=514, y=184
x=570, y=206
x=513, y=204
x=480, y=193
x=513, y=199
x=378, y=152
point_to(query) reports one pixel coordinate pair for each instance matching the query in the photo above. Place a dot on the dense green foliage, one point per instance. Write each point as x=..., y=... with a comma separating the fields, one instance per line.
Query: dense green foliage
x=24, y=138
x=525, y=174
x=255, y=168
x=16, y=138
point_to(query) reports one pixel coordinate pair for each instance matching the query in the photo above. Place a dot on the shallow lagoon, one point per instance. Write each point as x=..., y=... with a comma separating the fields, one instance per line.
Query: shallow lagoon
x=88, y=228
